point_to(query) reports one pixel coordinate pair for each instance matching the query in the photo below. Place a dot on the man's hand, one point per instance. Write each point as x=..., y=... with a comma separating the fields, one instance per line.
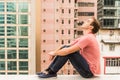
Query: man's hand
x=51, y=55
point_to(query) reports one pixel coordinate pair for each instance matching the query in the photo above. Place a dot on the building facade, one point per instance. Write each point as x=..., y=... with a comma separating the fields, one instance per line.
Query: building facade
x=109, y=35
x=17, y=41
x=59, y=21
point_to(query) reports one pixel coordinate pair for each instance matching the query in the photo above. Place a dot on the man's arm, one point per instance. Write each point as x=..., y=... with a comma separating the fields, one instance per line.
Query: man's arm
x=65, y=51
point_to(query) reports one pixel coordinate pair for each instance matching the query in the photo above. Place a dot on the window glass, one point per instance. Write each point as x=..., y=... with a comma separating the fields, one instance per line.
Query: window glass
x=2, y=54
x=23, y=54
x=11, y=54
x=2, y=31
x=12, y=73
x=23, y=42
x=1, y=6
x=23, y=19
x=11, y=7
x=11, y=42
x=2, y=42
x=23, y=31
x=11, y=31
x=2, y=65
x=12, y=65
x=11, y=19
x=2, y=73
x=23, y=65
x=23, y=7
x=23, y=73
x=2, y=19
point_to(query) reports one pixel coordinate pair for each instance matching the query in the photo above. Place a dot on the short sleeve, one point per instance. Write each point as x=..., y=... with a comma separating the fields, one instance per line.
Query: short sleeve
x=83, y=42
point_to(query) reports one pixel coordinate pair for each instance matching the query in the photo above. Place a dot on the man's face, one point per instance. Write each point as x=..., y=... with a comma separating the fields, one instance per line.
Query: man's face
x=86, y=24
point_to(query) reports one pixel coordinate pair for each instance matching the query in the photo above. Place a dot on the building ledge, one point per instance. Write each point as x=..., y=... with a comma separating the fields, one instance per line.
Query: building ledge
x=59, y=77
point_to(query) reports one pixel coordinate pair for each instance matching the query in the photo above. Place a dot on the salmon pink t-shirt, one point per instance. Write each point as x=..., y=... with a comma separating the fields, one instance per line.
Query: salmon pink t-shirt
x=89, y=49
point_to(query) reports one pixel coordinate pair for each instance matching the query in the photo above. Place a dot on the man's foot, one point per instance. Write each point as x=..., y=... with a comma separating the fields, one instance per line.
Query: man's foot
x=45, y=71
x=45, y=74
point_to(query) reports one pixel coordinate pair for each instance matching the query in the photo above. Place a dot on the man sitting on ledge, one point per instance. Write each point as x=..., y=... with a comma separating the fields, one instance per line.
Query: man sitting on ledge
x=83, y=53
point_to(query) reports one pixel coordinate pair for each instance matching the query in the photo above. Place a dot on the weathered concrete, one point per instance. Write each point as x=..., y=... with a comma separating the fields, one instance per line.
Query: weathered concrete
x=59, y=77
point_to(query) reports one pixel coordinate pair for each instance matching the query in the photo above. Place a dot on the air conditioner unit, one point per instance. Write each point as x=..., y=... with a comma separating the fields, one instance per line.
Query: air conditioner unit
x=119, y=25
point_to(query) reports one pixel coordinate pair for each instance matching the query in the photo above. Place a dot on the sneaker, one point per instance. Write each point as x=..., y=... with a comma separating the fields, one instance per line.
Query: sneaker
x=39, y=73
x=45, y=71
x=46, y=75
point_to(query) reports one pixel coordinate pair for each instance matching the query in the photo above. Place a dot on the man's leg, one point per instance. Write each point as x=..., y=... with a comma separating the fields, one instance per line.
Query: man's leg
x=80, y=64
x=57, y=63
x=55, y=66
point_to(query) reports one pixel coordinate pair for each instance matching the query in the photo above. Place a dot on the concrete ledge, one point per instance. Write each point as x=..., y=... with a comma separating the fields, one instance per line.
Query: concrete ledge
x=59, y=77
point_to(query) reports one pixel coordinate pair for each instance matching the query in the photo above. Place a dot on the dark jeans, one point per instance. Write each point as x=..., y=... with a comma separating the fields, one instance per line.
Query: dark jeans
x=78, y=62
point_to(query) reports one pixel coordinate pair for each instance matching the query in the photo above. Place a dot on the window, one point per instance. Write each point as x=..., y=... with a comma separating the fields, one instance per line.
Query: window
x=2, y=30
x=62, y=42
x=62, y=21
x=23, y=19
x=115, y=62
x=68, y=41
x=57, y=10
x=2, y=65
x=44, y=41
x=108, y=22
x=68, y=31
x=69, y=21
x=109, y=12
x=2, y=7
x=44, y=10
x=23, y=65
x=56, y=30
x=11, y=54
x=11, y=7
x=62, y=32
x=109, y=2
x=62, y=1
x=23, y=54
x=23, y=30
x=11, y=65
x=2, y=73
x=62, y=10
x=111, y=47
x=11, y=42
x=85, y=4
x=57, y=41
x=12, y=73
x=23, y=73
x=23, y=43
x=44, y=51
x=11, y=31
x=2, y=42
x=44, y=20
x=85, y=13
x=44, y=30
x=68, y=72
x=69, y=11
x=69, y=1
x=56, y=20
x=23, y=7
x=11, y=19
x=2, y=19
x=2, y=54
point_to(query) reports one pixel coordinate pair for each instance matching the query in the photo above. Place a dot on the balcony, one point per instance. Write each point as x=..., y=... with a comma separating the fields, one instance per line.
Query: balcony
x=60, y=77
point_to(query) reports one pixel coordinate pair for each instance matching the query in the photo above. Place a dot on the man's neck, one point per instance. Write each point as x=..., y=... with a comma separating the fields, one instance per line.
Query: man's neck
x=87, y=32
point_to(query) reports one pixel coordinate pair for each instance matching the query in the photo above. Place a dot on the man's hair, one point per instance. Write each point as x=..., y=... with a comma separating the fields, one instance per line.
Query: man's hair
x=96, y=25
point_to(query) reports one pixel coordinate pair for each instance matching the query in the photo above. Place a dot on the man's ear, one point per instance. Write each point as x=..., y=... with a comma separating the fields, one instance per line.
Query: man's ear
x=91, y=27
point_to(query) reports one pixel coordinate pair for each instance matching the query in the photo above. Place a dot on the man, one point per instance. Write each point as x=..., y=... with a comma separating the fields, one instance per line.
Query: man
x=83, y=53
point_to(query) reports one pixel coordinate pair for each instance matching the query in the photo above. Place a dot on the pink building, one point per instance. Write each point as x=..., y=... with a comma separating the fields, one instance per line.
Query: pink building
x=58, y=25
